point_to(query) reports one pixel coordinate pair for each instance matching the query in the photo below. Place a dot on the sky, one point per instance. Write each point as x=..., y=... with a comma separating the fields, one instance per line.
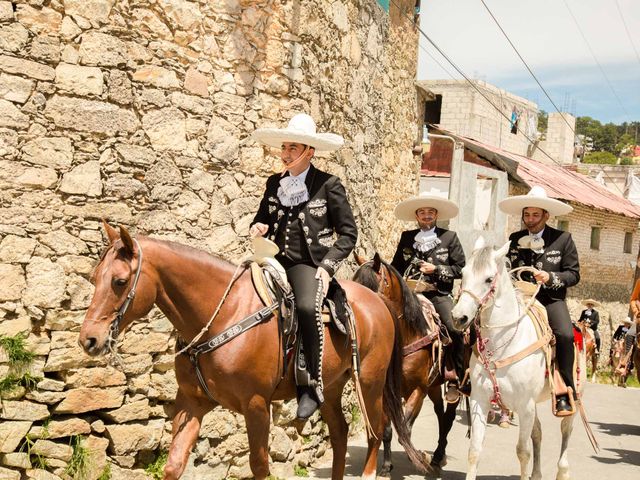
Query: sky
x=548, y=39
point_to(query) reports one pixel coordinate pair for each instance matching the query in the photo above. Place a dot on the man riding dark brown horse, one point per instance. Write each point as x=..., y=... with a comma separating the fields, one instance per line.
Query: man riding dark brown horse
x=433, y=257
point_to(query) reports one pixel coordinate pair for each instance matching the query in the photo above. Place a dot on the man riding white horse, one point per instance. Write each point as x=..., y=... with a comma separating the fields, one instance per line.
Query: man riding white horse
x=553, y=253
x=305, y=211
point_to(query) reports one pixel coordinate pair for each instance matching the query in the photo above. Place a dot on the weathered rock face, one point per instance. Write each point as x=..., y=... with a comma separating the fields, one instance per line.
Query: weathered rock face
x=139, y=113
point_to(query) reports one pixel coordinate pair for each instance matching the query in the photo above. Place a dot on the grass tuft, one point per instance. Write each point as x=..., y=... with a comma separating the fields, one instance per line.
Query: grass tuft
x=16, y=350
x=156, y=468
x=80, y=459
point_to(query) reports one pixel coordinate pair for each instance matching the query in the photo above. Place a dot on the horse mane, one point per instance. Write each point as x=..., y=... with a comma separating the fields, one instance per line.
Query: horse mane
x=180, y=248
x=412, y=311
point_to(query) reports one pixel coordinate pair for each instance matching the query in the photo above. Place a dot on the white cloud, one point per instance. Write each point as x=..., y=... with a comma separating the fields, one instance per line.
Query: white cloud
x=546, y=36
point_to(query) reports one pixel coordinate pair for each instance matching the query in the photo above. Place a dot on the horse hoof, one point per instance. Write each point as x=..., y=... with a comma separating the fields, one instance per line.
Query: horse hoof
x=435, y=472
x=385, y=471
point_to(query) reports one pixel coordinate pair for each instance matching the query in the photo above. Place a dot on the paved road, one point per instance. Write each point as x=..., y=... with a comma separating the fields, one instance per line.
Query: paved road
x=614, y=414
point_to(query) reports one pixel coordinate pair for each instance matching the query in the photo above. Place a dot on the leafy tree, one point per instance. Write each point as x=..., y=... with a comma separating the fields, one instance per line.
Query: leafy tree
x=543, y=121
x=600, y=157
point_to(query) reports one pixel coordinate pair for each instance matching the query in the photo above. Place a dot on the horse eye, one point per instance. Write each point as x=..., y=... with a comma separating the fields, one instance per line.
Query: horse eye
x=120, y=282
x=489, y=280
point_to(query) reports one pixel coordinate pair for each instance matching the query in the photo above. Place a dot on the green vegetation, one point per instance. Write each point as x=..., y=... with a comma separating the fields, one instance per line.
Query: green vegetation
x=600, y=157
x=356, y=416
x=37, y=460
x=19, y=359
x=19, y=356
x=80, y=459
x=156, y=468
x=604, y=376
x=300, y=471
x=106, y=473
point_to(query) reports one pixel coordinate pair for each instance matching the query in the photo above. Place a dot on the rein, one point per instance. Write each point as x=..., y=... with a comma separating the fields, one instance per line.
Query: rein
x=484, y=354
x=114, y=328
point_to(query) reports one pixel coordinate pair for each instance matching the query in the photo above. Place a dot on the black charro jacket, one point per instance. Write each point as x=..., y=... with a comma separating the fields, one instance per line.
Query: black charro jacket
x=448, y=257
x=593, y=318
x=328, y=225
x=559, y=258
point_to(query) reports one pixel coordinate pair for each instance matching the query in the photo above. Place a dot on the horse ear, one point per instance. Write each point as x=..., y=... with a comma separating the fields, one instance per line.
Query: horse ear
x=377, y=261
x=502, y=251
x=112, y=234
x=359, y=260
x=126, y=240
x=480, y=243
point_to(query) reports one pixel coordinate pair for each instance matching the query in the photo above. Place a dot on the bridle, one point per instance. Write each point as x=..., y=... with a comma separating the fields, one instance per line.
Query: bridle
x=114, y=328
x=481, y=302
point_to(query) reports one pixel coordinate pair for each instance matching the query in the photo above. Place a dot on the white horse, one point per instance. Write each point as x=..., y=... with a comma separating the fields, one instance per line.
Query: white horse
x=487, y=292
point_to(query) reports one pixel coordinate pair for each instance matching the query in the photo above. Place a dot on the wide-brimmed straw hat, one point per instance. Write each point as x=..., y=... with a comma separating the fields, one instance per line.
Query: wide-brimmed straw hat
x=627, y=320
x=406, y=210
x=301, y=129
x=591, y=301
x=537, y=197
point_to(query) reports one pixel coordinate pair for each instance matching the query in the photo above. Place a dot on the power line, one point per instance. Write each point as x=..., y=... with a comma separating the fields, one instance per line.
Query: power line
x=437, y=62
x=604, y=74
x=527, y=66
x=627, y=30
x=475, y=87
x=567, y=101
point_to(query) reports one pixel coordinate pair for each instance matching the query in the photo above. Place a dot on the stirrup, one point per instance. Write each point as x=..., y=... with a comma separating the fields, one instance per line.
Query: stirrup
x=452, y=394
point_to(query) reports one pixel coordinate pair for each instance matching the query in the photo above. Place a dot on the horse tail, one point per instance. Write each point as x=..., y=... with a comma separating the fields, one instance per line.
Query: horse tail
x=392, y=398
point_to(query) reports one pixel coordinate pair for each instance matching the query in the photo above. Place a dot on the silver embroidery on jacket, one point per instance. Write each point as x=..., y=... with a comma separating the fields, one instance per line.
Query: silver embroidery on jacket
x=320, y=202
x=318, y=212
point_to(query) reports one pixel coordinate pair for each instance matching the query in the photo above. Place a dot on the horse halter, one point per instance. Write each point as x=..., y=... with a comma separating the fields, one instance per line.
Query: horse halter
x=114, y=328
x=487, y=296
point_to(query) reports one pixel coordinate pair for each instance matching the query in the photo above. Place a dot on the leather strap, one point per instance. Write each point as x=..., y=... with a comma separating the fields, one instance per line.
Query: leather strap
x=419, y=344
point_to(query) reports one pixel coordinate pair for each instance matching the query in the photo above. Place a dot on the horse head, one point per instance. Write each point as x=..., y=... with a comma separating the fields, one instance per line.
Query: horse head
x=381, y=277
x=122, y=293
x=480, y=282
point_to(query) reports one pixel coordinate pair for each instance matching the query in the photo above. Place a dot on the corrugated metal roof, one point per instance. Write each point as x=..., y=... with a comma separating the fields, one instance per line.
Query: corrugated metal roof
x=559, y=182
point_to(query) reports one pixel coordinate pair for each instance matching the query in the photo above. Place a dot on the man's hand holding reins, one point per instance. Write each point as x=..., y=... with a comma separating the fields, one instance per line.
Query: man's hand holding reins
x=426, y=267
x=541, y=276
x=258, y=230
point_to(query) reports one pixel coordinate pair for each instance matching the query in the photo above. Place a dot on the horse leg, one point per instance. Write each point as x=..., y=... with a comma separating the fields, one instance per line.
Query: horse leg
x=536, y=438
x=523, y=447
x=373, y=403
x=257, y=417
x=387, y=466
x=566, y=427
x=445, y=422
x=331, y=411
x=186, y=426
x=479, y=411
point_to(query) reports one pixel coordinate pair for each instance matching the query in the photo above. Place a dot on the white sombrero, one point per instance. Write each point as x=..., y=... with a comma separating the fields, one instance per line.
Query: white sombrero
x=591, y=301
x=301, y=129
x=537, y=197
x=406, y=210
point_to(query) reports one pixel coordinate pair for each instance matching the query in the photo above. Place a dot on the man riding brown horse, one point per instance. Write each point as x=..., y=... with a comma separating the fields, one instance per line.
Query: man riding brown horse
x=433, y=256
x=302, y=211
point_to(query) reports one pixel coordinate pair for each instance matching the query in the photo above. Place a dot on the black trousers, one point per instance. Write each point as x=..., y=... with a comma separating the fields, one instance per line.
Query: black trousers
x=560, y=322
x=443, y=305
x=308, y=294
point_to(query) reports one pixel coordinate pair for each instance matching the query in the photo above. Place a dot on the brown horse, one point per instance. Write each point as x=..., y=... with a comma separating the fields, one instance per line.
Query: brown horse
x=617, y=352
x=418, y=378
x=246, y=373
x=590, y=348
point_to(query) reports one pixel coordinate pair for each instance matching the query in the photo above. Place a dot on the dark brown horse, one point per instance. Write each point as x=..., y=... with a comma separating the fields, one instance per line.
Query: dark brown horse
x=589, y=348
x=418, y=379
x=245, y=374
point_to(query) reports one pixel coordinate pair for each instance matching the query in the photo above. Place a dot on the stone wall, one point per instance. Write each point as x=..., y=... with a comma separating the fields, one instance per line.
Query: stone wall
x=137, y=111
